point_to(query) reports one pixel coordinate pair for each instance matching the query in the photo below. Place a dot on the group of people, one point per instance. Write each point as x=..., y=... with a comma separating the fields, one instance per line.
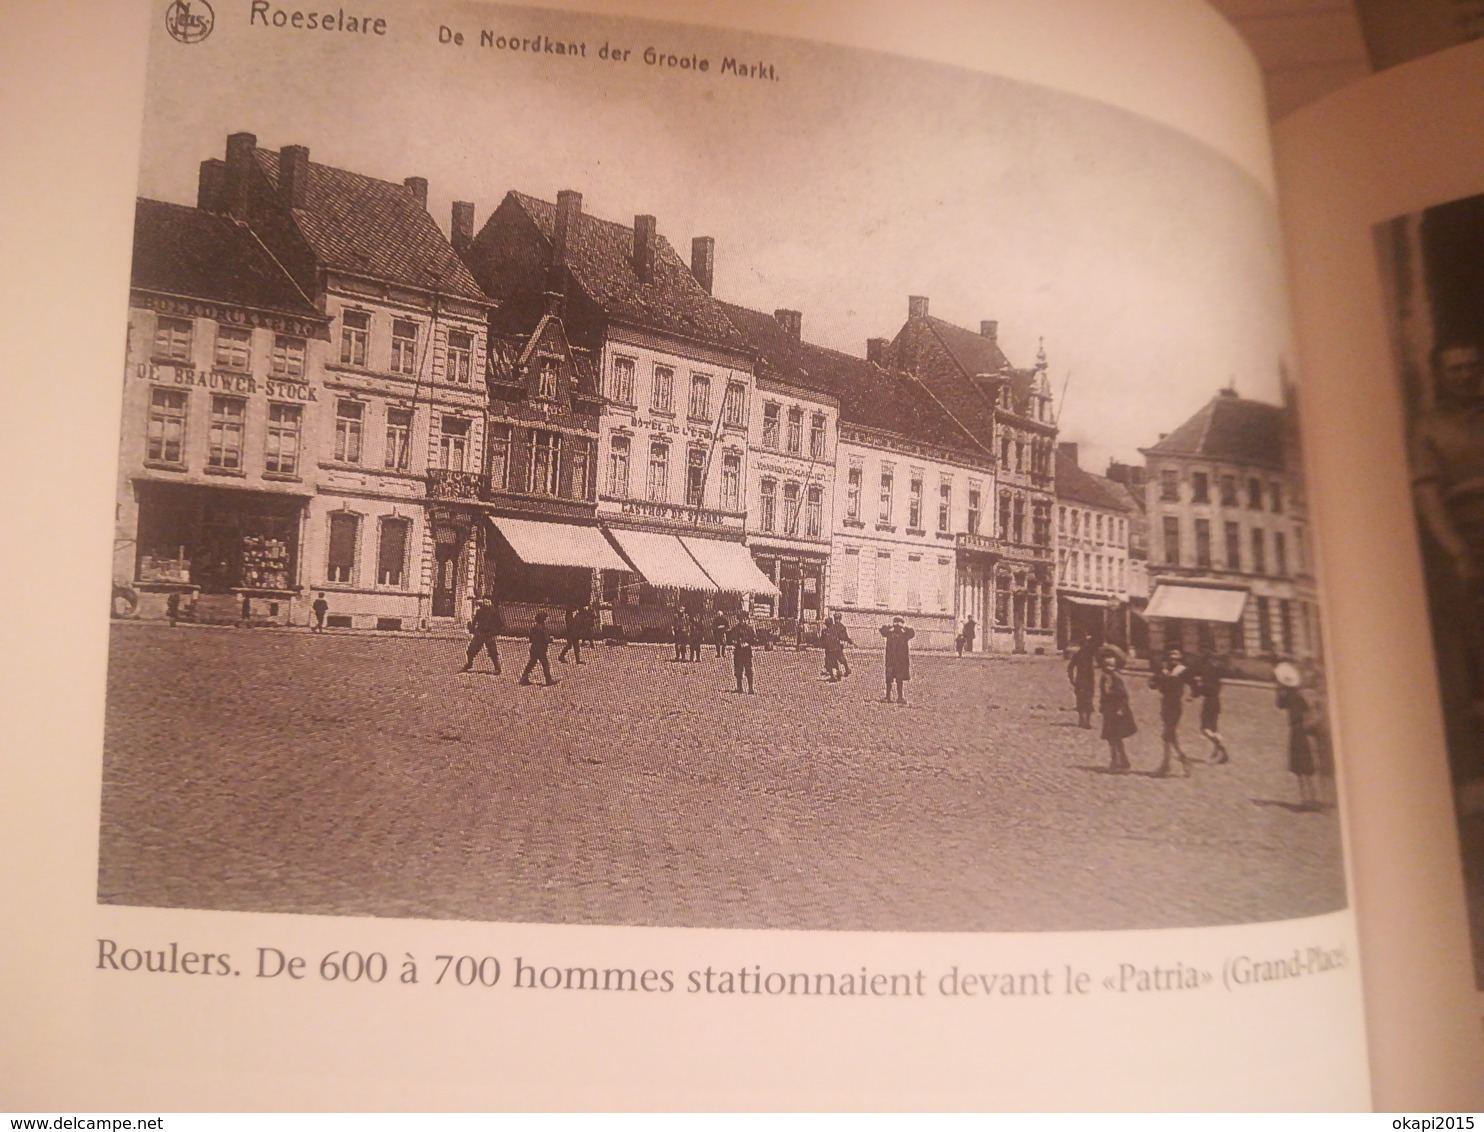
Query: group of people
x=689, y=632
x=486, y=625
x=1095, y=672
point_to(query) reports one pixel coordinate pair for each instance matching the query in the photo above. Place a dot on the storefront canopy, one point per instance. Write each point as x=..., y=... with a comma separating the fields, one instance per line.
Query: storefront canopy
x=730, y=565
x=1096, y=603
x=662, y=560
x=1196, y=603
x=558, y=544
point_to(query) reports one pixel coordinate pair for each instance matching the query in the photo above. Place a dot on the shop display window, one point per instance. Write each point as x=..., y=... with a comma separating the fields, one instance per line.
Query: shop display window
x=216, y=541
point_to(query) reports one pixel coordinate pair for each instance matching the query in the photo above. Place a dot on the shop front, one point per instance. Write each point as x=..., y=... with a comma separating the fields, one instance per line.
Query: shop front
x=1209, y=620
x=793, y=605
x=222, y=555
x=974, y=587
x=531, y=565
x=1024, y=602
x=1082, y=616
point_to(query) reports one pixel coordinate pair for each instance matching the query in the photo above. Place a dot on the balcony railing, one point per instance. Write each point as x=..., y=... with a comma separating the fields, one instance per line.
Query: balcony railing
x=987, y=544
x=446, y=484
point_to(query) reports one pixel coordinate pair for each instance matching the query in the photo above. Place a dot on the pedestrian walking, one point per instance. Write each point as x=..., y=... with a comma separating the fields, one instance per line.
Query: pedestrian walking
x=834, y=637
x=719, y=633
x=898, y=657
x=540, y=643
x=1118, y=713
x=843, y=657
x=484, y=628
x=680, y=632
x=245, y=621
x=1082, y=674
x=742, y=637
x=696, y=635
x=172, y=609
x=1205, y=685
x=1302, y=726
x=1171, y=679
x=320, y=608
x=573, y=634
x=964, y=642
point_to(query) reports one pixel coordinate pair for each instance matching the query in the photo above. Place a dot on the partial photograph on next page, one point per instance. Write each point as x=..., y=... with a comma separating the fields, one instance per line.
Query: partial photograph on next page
x=581, y=470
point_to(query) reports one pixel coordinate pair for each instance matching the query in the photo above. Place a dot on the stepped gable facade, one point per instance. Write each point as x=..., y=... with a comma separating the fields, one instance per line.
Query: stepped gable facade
x=1228, y=534
x=1092, y=553
x=1008, y=410
x=911, y=485
x=223, y=389
x=404, y=413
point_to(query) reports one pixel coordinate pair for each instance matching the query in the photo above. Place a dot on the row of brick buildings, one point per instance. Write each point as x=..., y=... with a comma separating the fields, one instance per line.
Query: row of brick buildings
x=326, y=394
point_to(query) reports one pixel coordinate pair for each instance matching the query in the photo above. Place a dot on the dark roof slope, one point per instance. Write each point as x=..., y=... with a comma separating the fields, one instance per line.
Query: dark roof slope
x=366, y=226
x=1075, y=485
x=974, y=353
x=869, y=396
x=183, y=251
x=599, y=259
x=1230, y=429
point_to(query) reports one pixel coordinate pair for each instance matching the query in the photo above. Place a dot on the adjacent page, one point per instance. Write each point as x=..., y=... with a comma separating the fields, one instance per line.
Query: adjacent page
x=894, y=416
x=1382, y=187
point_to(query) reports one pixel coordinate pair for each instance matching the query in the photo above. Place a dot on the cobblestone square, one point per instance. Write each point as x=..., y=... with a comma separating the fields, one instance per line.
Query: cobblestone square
x=353, y=774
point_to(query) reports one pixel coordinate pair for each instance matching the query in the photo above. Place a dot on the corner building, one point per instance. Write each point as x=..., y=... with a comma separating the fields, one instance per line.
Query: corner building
x=223, y=389
x=1093, y=574
x=404, y=393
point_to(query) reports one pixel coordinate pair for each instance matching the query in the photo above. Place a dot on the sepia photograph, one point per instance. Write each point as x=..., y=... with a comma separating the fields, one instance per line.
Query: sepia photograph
x=586, y=470
x=1432, y=272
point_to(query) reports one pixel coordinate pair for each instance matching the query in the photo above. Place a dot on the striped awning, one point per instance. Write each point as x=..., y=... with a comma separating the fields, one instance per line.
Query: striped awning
x=661, y=560
x=558, y=544
x=730, y=565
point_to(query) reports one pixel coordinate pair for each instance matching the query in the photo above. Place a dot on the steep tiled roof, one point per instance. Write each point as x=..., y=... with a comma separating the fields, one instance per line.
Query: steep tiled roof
x=365, y=226
x=1230, y=429
x=974, y=353
x=1077, y=486
x=201, y=255
x=599, y=259
x=869, y=396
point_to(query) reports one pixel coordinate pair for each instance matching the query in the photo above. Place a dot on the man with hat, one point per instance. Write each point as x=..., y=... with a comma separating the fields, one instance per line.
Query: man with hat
x=898, y=657
x=484, y=627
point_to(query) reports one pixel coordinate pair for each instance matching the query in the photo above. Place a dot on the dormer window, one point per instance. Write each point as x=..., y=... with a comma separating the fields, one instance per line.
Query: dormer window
x=547, y=380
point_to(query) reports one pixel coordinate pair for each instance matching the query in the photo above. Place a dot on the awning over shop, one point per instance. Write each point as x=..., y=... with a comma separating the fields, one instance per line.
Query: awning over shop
x=662, y=560
x=558, y=544
x=731, y=566
x=1092, y=601
x=1196, y=603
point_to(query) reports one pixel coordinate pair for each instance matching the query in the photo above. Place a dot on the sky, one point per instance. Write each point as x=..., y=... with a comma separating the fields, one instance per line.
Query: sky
x=1147, y=264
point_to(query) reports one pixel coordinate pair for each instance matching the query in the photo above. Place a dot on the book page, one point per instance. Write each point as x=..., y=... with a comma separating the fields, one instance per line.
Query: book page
x=758, y=562
x=1381, y=189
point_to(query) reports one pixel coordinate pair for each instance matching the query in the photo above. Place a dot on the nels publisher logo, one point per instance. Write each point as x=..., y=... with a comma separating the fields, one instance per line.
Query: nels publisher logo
x=189, y=21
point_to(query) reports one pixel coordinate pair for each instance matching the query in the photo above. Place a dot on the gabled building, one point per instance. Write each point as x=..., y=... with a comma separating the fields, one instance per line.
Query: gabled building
x=1093, y=531
x=676, y=380
x=404, y=392
x=911, y=487
x=1008, y=410
x=1229, y=553
x=224, y=392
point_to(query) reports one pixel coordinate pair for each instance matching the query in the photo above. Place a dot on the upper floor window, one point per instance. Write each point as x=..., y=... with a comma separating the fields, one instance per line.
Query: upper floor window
x=618, y=467
x=546, y=456
x=791, y=509
x=814, y=512
x=404, y=346
x=973, y=518
x=497, y=455
x=1275, y=495
x=1259, y=551
x=659, y=471
x=281, y=443
x=165, y=438
x=548, y=380
x=233, y=347
x=914, y=501
x=888, y=478
x=695, y=477
x=398, y=454
x=1172, y=540
x=1280, y=554
x=1254, y=494
x=945, y=504
x=460, y=356
x=1233, y=534
x=817, y=436
x=731, y=482
x=348, y=418
x=662, y=390
x=582, y=467
x=854, y=480
x=1200, y=487
x=288, y=357
x=768, y=500
x=1169, y=485
x=355, y=332
x=1229, y=491
x=621, y=381
x=735, y=410
x=224, y=442
x=700, y=397
x=453, y=444
x=173, y=338
x=796, y=430
x=772, y=415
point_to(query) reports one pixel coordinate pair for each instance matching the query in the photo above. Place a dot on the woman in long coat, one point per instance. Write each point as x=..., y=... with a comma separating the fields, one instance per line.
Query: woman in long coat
x=1118, y=715
x=1301, y=763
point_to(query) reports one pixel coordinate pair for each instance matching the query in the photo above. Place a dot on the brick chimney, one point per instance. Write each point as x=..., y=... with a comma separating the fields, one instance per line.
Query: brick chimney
x=877, y=350
x=917, y=306
x=1068, y=448
x=461, y=227
x=644, y=229
x=419, y=187
x=241, y=149
x=211, y=186
x=293, y=175
x=569, y=208
x=989, y=328
x=792, y=323
x=703, y=261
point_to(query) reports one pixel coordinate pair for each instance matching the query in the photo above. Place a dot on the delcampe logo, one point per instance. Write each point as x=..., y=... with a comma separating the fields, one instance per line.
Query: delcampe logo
x=189, y=21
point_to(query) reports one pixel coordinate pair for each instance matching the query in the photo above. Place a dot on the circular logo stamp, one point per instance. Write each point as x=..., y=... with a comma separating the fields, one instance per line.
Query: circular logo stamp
x=189, y=21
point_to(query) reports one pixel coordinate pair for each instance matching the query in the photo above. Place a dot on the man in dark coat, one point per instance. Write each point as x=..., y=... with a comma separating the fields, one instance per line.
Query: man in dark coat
x=742, y=637
x=483, y=628
x=898, y=656
x=320, y=608
x=965, y=640
x=1171, y=679
x=574, y=634
x=1082, y=674
x=680, y=632
x=540, y=642
x=696, y=634
x=719, y=629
